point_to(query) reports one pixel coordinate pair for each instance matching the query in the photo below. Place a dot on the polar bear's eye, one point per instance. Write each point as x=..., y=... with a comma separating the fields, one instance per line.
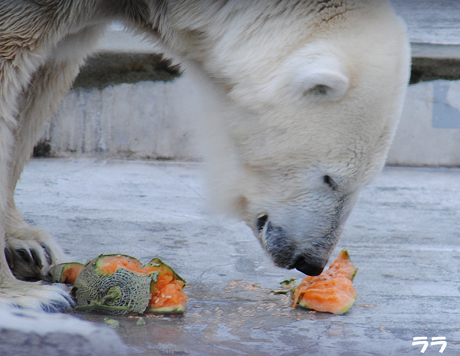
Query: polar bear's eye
x=320, y=76
x=330, y=182
x=320, y=89
x=261, y=221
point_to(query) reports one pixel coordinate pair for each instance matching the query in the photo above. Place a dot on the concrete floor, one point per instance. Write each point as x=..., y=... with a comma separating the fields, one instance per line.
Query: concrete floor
x=403, y=235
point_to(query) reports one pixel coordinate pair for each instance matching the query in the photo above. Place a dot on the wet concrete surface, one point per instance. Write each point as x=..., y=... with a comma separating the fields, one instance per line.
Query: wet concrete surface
x=403, y=235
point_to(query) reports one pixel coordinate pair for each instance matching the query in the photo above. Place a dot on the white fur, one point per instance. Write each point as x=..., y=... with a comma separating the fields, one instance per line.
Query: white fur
x=306, y=96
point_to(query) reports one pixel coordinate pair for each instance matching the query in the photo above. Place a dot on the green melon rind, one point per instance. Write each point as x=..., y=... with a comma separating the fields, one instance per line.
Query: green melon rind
x=347, y=256
x=158, y=262
x=349, y=260
x=91, y=290
x=354, y=273
x=340, y=312
x=166, y=310
x=57, y=271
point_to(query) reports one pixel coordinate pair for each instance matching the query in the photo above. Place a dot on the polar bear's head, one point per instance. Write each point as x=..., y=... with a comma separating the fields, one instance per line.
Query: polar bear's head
x=308, y=109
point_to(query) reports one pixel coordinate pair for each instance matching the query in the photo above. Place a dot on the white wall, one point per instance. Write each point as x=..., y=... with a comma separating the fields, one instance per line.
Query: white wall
x=156, y=119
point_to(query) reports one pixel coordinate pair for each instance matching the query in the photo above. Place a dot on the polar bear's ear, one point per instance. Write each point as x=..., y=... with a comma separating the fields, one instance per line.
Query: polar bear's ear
x=323, y=78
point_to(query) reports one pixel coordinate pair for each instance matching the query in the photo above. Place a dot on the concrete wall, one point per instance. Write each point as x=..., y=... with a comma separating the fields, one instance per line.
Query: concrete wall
x=144, y=120
x=149, y=111
x=156, y=120
x=429, y=131
x=127, y=102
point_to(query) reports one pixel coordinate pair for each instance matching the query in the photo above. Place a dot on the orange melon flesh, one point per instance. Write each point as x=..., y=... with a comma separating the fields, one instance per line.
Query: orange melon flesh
x=168, y=299
x=65, y=272
x=110, y=263
x=332, y=291
x=342, y=266
x=71, y=272
x=167, y=295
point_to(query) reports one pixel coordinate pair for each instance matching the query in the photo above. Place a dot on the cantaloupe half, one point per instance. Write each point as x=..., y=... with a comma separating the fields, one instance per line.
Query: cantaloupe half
x=120, y=284
x=332, y=291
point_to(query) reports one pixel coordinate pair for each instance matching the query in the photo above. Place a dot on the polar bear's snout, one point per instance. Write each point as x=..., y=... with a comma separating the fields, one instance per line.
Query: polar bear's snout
x=285, y=253
x=302, y=233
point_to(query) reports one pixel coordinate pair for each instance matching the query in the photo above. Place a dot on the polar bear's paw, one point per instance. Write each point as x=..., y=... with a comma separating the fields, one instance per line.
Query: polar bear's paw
x=35, y=295
x=31, y=253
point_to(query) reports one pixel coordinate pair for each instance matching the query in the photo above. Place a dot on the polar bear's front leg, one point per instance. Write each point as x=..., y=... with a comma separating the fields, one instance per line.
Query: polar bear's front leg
x=30, y=252
x=32, y=295
x=12, y=291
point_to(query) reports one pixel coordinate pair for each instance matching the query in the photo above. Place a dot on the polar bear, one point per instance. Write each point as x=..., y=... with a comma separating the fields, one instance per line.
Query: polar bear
x=309, y=95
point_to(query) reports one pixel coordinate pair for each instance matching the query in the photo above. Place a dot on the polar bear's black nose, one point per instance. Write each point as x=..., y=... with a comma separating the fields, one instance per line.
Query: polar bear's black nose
x=309, y=269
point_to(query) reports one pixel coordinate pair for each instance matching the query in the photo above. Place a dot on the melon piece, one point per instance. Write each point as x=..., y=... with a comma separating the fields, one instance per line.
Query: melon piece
x=167, y=294
x=332, y=291
x=342, y=266
x=66, y=272
x=115, y=284
x=121, y=284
